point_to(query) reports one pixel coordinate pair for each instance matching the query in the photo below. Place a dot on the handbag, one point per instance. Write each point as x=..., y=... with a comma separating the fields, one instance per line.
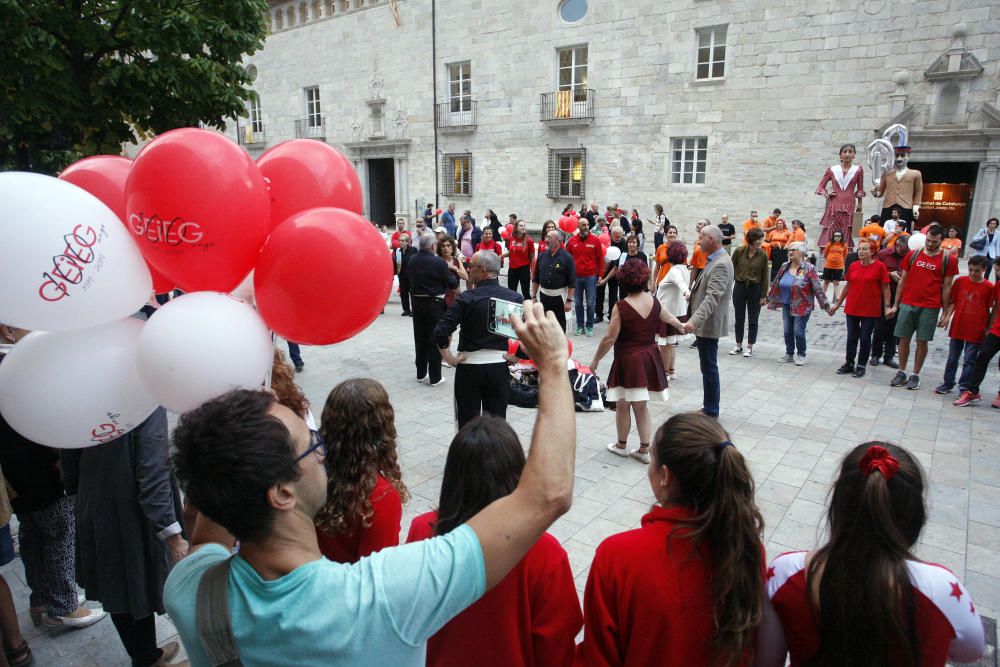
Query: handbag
x=978, y=244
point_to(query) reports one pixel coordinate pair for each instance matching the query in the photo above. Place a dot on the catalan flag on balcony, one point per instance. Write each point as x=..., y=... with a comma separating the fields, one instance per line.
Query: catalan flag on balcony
x=247, y=134
x=564, y=104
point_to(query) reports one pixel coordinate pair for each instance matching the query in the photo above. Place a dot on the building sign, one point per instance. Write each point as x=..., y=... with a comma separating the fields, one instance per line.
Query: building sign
x=946, y=204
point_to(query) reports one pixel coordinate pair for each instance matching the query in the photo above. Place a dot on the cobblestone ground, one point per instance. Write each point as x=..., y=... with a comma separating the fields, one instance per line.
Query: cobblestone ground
x=792, y=423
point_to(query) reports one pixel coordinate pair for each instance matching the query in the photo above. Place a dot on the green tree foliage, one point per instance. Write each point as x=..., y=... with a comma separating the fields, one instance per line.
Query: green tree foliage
x=80, y=77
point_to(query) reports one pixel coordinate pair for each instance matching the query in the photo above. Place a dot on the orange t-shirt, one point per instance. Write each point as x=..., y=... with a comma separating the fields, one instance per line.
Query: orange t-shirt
x=951, y=244
x=698, y=259
x=874, y=233
x=748, y=225
x=798, y=236
x=836, y=254
x=779, y=237
x=661, y=259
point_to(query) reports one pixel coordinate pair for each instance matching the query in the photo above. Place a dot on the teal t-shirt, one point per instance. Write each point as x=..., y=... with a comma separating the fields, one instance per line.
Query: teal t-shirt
x=378, y=611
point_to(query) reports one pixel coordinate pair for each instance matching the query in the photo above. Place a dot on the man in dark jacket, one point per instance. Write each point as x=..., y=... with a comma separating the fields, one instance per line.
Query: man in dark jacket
x=430, y=279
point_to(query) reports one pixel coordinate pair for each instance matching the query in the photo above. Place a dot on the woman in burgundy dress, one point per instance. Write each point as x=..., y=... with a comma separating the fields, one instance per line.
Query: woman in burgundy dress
x=637, y=373
x=848, y=188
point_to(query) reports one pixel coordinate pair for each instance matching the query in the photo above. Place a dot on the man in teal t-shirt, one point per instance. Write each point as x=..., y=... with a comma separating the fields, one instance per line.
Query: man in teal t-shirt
x=255, y=472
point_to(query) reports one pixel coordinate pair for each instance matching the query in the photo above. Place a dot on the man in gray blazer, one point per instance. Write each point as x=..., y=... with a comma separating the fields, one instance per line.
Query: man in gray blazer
x=711, y=292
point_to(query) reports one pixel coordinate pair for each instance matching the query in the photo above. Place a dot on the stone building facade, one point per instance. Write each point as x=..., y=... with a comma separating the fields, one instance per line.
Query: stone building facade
x=704, y=106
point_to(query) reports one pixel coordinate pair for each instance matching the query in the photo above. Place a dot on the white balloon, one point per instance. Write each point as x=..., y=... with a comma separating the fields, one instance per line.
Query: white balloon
x=613, y=254
x=68, y=262
x=201, y=345
x=918, y=241
x=72, y=389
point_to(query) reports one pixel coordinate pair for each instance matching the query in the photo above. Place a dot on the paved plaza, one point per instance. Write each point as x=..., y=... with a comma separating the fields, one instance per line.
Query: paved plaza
x=792, y=423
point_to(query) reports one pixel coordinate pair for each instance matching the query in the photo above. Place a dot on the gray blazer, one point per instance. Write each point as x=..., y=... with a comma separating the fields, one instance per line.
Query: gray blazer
x=711, y=293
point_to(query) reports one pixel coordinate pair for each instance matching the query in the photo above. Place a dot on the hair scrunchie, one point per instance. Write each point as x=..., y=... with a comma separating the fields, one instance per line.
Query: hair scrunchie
x=878, y=458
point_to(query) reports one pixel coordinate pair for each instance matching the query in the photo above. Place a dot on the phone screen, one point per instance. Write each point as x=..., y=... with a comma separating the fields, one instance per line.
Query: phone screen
x=500, y=312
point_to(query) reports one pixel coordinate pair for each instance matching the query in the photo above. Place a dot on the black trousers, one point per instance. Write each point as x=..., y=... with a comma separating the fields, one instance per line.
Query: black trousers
x=426, y=313
x=481, y=388
x=778, y=257
x=554, y=304
x=746, y=300
x=139, y=638
x=883, y=341
x=987, y=350
x=612, y=288
x=520, y=279
x=860, y=329
x=404, y=292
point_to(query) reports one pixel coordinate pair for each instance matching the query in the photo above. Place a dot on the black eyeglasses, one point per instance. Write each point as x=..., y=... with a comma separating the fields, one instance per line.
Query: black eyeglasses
x=316, y=443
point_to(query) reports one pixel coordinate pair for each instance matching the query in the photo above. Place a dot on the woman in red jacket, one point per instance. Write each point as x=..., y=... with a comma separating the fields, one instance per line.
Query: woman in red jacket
x=687, y=588
x=533, y=615
x=365, y=491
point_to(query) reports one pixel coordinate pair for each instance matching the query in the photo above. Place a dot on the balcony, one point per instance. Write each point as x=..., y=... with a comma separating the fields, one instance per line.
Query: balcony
x=311, y=127
x=252, y=136
x=568, y=108
x=453, y=118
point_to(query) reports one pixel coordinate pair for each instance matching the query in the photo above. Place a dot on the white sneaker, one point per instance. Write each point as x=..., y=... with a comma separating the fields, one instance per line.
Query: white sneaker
x=619, y=451
x=424, y=380
x=736, y=350
x=748, y=353
x=800, y=360
x=438, y=383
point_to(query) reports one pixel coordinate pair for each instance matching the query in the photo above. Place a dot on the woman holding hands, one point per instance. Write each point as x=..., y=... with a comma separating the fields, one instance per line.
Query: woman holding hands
x=866, y=289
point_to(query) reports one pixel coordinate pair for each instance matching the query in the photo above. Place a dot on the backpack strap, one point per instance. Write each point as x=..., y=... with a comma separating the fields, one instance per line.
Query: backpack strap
x=212, y=616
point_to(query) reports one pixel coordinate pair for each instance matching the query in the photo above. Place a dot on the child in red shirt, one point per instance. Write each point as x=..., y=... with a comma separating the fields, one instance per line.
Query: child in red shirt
x=533, y=615
x=987, y=350
x=685, y=588
x=969, y=312
x=365, y=490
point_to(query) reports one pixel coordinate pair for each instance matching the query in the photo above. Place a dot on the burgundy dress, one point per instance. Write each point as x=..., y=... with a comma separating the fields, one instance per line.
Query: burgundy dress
x=637, y=372
x=839, y=214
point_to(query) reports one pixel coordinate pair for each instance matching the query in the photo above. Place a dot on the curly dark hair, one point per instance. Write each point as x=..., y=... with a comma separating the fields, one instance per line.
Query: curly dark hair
x=677, y=253
x=284, y=387
x=633, y=276
x=359, y=427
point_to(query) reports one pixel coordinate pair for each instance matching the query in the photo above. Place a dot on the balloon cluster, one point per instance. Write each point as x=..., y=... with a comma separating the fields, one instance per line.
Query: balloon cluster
x=193, y=211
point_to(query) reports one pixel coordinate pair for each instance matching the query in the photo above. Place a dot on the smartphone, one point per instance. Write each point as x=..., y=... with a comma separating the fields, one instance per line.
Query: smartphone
x=500, y=312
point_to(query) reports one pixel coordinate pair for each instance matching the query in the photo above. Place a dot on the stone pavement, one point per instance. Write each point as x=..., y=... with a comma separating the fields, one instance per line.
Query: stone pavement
x=792, y=423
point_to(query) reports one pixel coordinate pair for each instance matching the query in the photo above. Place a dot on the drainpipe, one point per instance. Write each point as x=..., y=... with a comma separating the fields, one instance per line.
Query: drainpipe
x=437, y=162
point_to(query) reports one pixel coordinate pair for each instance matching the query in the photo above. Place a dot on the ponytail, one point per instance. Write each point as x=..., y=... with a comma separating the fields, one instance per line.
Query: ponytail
x=714, y=480
x=859, y=580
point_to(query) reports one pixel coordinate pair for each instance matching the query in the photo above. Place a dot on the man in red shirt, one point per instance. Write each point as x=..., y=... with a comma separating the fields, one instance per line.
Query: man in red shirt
x=400, y=229
x=924, y=288
x=987, y=350
x=969, y=313
x=588, y=255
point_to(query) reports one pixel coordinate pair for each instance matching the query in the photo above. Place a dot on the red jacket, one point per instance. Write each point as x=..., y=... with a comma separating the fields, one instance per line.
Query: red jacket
x=588, y=254
x=384, y=531
x=529, y=618
x=645, y=605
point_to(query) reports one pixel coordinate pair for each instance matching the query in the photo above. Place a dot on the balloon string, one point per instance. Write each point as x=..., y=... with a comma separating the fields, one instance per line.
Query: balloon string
x=270, y=369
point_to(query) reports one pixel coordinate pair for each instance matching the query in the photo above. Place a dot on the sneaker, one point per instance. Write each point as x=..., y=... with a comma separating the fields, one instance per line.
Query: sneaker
x=859, y=372
x=898, y=380
x=580, y=331
x=748, y=353
x=968, y=398
x=590, y=332
x=996, y=401
x=890, y=362
x=299, y=366
x=944, y=388
x=438, y=383
x=736, y=350
x=616, y=450
x=405, y=313
x=423, y=380
x=913, y=383
x=640, y=455
x=787, y=359
x=800, y=360
x=846, y=369
x=598, y=320
x=874, y=362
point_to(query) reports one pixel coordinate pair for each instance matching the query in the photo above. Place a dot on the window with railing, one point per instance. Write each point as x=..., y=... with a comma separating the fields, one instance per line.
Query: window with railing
x=314, y=112
x=567, y=173
x=573, y=72
x=689, y=158
x=253, y=114
x=457, y=169
x=711, y=53
x=460, y=87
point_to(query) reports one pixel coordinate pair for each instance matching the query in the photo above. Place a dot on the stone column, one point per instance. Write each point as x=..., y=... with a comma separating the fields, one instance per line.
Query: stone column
x=986, y=198
x=361, y=168
x=402, y=189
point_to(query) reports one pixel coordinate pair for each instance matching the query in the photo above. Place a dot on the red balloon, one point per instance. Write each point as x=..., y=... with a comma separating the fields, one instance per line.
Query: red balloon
x=605, y=241
x=323, y=276
x=568, y=224
x=505, y=234
x=104, y=177
x=305, y=173
x=574, y=214
x=198, y=206
x=437, y=212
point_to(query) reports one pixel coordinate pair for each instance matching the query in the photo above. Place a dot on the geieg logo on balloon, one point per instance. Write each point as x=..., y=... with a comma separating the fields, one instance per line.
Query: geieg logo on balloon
x=169, y=232
x=69, y=266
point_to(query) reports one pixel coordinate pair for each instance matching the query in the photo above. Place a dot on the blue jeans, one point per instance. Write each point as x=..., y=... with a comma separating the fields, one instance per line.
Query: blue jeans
x=968, y=363
x=294, y=353
x=586, y=286
x=708, y=355
x=795, y=331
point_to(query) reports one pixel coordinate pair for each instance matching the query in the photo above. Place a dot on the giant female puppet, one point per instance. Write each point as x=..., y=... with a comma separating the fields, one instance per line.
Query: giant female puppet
x=844, y=198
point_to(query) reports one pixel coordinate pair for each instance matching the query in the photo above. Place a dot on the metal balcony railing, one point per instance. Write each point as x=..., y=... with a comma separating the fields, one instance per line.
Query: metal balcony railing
x=457, y=115
x=248, y=136
x=568, y=105
x=311, y=127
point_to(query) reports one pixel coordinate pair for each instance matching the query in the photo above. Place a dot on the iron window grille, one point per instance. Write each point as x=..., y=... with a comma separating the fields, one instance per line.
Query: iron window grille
x=457, y=170
x=567, y=173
